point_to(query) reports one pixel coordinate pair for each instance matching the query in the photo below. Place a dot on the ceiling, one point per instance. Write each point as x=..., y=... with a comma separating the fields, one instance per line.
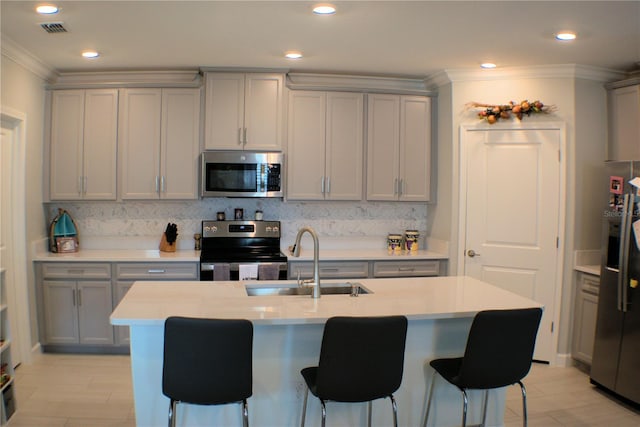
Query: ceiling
x=415, y=38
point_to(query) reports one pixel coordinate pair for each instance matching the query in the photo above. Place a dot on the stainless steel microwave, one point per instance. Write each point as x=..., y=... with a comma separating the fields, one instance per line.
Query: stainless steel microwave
x=242, y=174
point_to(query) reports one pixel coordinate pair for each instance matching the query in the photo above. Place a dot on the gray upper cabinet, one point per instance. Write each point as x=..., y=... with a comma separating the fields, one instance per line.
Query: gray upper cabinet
x=83, y=144
x=159, y=143
x=244, y=111
x=624, y=123
x=325, y=151
x=398, y=148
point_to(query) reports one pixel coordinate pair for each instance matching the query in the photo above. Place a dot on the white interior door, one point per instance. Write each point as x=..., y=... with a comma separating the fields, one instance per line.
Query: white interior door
x=6, y=244
x=512, y=216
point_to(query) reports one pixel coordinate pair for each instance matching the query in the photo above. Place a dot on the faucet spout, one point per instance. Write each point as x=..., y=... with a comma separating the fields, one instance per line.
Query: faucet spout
x=316, y=264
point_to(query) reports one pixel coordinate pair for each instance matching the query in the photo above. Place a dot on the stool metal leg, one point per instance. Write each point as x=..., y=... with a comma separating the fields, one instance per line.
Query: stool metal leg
x=245, y=413
x=394, y=405
x=172, y=413
x=426, y=415
x=324, y=413
x=370, y=405
x=484, y=408
x=465, y=404
x=304, y=406
x=524, y=404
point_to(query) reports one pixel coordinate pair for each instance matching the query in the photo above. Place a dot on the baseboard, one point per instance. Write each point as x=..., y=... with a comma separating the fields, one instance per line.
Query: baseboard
x=563, y=360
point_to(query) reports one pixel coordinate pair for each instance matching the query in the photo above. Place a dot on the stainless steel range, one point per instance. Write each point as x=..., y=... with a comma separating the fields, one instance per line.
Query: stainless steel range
x=238, y=245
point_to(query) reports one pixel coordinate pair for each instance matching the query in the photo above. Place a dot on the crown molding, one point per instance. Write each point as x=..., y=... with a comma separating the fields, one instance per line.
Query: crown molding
x=26, y=59
x=164, y=78
x=355, y=83
x=570, y=71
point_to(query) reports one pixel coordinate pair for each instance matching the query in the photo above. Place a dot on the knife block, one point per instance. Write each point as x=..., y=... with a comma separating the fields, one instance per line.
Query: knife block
x=166, y=246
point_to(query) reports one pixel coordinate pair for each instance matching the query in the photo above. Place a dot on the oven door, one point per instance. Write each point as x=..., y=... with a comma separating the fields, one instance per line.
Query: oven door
x=235, y=268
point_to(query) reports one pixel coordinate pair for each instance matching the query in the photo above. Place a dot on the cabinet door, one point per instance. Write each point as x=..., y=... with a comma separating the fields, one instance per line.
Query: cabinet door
x=383, y=139
x=95, y=305
x=224, y=111
x=422, y=268
x=139, y=134
x=263, y=106
x=624, y=123
x=100, y=144
x=180, y=143
x=306, y=150
x=67, y=127
x=60, y=312
x=122, y=332
x=344, y=146
x=415, y=148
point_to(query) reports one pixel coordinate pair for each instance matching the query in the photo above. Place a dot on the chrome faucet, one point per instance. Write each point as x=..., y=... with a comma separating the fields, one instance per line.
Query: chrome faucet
x=315, y=282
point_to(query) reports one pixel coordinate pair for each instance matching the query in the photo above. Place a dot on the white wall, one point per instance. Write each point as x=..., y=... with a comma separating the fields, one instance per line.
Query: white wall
x=581, y=105
x=23, y=91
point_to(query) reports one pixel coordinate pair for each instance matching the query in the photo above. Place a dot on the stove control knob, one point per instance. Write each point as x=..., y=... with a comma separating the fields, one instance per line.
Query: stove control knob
x=214, y=228
x=207, y=228
x=275, y=229
x=268, y=229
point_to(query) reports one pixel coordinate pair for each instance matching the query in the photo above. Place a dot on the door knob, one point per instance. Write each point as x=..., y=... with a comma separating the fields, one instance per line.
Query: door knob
x=471, y=253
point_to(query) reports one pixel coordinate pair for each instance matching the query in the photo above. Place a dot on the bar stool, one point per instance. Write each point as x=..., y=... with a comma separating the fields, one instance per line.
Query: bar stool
x=207, y=362
x=361, y=360
x=499, y=353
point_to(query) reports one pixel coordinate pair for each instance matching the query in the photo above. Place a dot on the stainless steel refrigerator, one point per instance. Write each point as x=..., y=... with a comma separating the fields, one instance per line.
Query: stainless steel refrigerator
x=616, y=353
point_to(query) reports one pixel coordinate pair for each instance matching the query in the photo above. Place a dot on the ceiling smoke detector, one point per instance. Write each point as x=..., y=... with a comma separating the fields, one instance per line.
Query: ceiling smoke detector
x=53, y=27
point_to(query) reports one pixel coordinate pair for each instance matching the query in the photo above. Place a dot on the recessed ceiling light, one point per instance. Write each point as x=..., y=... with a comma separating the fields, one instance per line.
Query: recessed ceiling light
x=565, y=35
x=488, y=65
x=293, y=55
x=47, y=9
x=90, y=54
x=324, y=9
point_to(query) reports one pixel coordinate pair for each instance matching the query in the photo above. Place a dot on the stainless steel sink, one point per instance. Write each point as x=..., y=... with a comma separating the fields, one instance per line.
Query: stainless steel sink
x=273, y=289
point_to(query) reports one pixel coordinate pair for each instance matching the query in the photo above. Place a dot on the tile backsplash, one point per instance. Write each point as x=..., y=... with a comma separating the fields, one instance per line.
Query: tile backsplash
x=148, y=219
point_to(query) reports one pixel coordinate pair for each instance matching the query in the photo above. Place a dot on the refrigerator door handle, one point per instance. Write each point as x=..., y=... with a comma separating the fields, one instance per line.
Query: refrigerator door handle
x=623, y=256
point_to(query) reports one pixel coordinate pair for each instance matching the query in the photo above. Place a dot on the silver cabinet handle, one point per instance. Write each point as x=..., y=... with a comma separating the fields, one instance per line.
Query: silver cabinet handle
x=163, y=187
x=322, y=184
x=75, y=271
x=157, y=184
x=240, y=136
x=245, y=136
x=328, y=184
x=85, y=185
x=406, y=269
x=79, y=297
x=401, y=187
x=73, y=297
x=79, y=185
x=156, y=271
x=395, y=186
x=471, y=253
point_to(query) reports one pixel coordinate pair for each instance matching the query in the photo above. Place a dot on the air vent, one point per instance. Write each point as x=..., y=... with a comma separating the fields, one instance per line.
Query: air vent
x=53, y=27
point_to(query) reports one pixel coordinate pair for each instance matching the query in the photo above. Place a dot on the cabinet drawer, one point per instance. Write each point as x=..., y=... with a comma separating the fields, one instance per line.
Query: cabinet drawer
x=59, y=270
x=590, y=284
x=158, y=271
x=330, y=269
x=405, y=268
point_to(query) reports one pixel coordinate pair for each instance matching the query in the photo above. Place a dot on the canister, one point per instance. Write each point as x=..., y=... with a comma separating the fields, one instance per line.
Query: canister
x=394, y=243
x=411, y=240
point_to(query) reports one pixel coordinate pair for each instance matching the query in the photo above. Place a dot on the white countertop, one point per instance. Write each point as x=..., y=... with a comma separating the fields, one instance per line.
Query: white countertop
x=150, y=303
x=364, y=254
x=139, y=255
x=121, y=255
x=590, y=269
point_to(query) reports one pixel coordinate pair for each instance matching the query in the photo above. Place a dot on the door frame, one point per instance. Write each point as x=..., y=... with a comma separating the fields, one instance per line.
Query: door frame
x=16, y=120
x=562, y=208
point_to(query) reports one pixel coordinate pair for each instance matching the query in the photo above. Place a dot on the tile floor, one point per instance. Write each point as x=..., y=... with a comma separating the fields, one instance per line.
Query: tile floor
x=95, y=391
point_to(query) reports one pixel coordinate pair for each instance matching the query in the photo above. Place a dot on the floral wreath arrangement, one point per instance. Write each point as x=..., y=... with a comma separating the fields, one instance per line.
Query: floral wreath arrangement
x=491, y=113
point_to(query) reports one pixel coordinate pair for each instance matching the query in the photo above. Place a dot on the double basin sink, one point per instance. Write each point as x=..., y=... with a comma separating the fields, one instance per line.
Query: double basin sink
x=273, y=289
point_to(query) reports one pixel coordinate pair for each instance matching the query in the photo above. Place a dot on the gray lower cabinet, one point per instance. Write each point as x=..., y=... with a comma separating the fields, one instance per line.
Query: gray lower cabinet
x=330, y=269
x=367, y=269
x=586, y=313
x=128, y=272
x=417, y=268
x=75, y=300
x=76, y=303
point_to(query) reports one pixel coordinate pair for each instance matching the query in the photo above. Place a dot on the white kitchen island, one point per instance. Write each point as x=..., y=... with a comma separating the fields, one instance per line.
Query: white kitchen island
x=287, y=337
